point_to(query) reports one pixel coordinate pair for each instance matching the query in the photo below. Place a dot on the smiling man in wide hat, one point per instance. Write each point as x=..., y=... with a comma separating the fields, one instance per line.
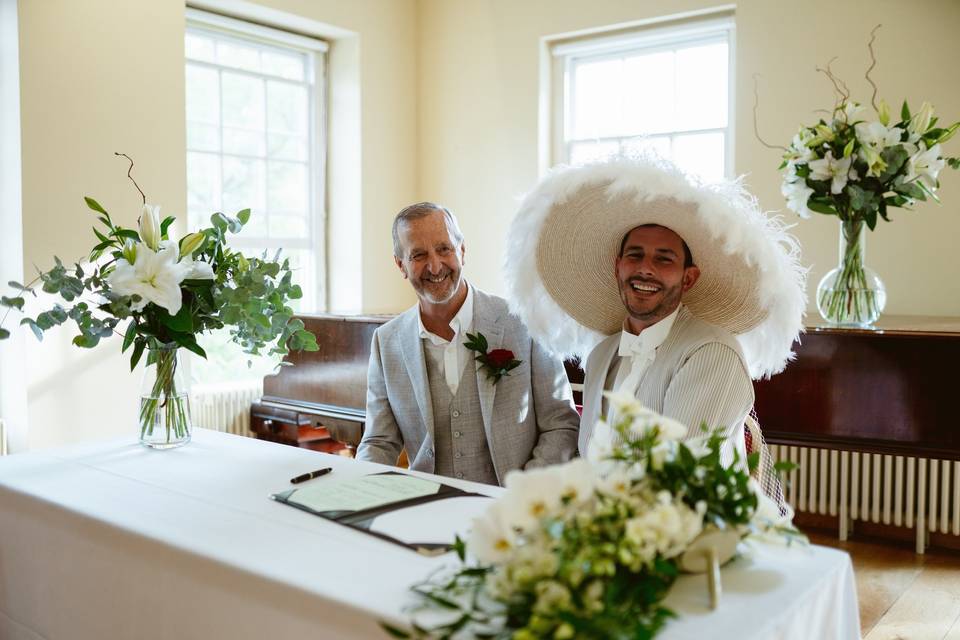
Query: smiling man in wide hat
x=680, y=292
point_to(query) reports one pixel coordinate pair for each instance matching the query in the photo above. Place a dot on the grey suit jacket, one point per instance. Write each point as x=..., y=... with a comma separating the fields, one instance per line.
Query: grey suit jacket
x=528, y=417
x=699, y=376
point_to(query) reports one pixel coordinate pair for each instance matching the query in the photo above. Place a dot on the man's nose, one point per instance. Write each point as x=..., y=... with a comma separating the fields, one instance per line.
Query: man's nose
x=434, y=265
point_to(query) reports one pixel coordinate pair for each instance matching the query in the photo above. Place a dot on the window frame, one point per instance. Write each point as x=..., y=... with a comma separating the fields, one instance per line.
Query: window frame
x=243, y=31
x=665, y=34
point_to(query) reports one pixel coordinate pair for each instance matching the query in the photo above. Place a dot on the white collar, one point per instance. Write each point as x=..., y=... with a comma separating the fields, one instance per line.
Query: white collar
x=647, y=340
x=461, y=323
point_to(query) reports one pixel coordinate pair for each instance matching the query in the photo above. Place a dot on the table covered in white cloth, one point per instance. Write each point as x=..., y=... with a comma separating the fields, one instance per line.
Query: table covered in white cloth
x=115, y=541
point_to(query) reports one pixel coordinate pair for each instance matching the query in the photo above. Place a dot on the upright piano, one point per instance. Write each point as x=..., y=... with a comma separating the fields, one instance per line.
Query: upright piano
x=320, y=402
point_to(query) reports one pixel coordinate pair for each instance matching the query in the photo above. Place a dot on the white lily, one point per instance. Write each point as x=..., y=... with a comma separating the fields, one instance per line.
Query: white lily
x=830, y=168
x=920, y=121
x=854, y=112
x=155, y=276
x=150, y=225
x=874, y=137
x=797, y=194
x=925, y=166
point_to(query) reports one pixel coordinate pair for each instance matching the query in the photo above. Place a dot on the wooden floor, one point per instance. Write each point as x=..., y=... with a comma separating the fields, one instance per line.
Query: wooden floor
x=903, y=596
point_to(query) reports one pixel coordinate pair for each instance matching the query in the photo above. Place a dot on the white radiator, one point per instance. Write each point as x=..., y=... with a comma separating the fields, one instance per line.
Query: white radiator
x=225, y=407
x=919, y=493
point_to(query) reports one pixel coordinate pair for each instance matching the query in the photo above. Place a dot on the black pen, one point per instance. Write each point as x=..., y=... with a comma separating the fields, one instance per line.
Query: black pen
x=311, y=475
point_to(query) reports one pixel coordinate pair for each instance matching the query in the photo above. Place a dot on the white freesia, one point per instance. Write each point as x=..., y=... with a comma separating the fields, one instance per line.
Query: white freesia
x=577, y=480
x=491, y=538
x=530, y=496
x=666, y=528
x=925, y=166
x=833, y=169
x=150, y=225
x=155, y=276
x=642, y=418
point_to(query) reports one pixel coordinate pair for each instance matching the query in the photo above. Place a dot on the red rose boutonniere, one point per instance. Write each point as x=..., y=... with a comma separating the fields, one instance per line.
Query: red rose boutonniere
x=496, y=363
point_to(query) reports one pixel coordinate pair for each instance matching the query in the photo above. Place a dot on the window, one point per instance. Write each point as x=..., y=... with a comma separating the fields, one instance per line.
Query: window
x=254, y=105
x=667, y=88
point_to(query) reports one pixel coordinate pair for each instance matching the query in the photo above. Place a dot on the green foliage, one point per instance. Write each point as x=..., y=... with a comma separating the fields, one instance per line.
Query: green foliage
x=249, y=296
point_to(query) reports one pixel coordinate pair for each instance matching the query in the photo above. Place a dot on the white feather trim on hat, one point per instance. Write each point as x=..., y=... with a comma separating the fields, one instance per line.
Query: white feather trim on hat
x=728, y=217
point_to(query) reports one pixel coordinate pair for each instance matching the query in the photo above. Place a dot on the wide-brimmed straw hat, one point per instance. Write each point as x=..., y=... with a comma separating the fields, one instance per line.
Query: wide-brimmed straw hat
x=565, y=238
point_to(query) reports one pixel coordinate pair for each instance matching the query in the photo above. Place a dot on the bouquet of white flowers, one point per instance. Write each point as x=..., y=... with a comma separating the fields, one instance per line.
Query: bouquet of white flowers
x=160, y=294
x=590, y=548
x=856, y=166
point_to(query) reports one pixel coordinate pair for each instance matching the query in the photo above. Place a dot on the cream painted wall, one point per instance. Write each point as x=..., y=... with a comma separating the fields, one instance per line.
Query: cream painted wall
x=93, y=80
x=478, y=114
x=107, y=75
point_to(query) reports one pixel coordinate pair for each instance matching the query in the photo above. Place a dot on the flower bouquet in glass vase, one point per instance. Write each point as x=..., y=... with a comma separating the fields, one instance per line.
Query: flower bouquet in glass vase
x=159, y=294
x=857, y=165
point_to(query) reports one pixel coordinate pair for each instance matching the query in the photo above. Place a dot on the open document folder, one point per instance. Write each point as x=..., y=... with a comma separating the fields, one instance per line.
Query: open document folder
x=423, y=515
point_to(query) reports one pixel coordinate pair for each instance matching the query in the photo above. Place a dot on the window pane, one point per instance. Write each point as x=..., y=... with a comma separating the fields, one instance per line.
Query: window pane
x=243, y=142
x=581, y=152
x=203, y=187
x=203, y=137
x=658, y=144
x=648, y=94
x=287, y=106
x=289, y=188
x=285, y=147
x=284, y=65
x=242, y=102
x=243, y=187
x=240, y=56
x=203, y=94
x=288, y=226
x=597, y=99
x=701, y=154
x=702, y=87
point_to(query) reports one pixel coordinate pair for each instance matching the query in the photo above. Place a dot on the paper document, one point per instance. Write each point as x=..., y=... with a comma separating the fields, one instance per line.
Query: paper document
x=366, y=492
x=437, y=521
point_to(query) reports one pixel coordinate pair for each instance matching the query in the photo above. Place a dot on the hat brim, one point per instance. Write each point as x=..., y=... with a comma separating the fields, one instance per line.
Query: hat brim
x=565, y=239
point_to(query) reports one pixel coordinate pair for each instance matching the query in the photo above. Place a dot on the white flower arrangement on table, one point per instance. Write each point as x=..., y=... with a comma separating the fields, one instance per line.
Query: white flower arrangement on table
x=589, y=549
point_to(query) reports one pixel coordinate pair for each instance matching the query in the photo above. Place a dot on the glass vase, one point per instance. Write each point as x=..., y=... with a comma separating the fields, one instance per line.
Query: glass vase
x=164, y=403
x=851, y=295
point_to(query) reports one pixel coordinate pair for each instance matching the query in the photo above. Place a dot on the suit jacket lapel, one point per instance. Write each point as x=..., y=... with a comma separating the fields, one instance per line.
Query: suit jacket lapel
x=488, y=324
x=413, y=358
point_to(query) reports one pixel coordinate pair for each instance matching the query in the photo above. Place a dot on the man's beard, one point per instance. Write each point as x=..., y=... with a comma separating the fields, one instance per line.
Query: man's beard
x=669, y=300
x=430, y=290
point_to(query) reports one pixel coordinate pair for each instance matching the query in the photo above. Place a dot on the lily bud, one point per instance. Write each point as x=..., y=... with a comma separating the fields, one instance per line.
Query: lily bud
x=883, y=113
x=150, y=225
x=130, y=251
x=921, y=121
x=191, y=243
x=825, y=132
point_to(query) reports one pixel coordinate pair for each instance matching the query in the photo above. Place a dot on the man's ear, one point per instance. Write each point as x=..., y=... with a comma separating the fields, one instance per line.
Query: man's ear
x=397, y=261
x=690, y=276
x=463, y=253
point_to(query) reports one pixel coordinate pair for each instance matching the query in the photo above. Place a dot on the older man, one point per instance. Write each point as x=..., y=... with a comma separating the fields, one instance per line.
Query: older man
x=429, y=394
x=680, y=292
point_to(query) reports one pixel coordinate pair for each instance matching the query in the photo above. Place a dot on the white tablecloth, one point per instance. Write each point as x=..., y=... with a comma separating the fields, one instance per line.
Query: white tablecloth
x=115, y=541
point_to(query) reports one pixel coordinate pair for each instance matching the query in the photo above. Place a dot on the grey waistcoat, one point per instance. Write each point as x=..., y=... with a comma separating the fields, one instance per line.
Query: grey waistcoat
x=460, y=443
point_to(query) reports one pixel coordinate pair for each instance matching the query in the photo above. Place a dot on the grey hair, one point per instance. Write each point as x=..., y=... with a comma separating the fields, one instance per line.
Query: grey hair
x=420, y=210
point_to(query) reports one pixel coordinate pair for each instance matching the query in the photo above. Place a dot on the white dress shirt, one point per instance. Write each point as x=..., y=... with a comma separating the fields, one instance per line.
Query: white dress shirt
x=638, y=351
x=451, y=355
